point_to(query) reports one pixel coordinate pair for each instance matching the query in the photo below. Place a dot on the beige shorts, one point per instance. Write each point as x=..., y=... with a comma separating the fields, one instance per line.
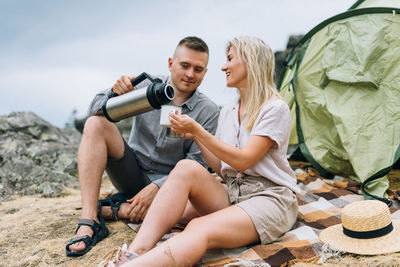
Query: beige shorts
x=272, y=208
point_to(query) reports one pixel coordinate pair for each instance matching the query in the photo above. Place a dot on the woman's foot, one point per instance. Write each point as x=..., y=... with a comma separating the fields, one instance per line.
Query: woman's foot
x=117, y=257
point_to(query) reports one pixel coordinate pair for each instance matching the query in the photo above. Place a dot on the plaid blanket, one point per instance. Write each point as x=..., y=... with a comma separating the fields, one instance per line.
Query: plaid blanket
x=320, y=206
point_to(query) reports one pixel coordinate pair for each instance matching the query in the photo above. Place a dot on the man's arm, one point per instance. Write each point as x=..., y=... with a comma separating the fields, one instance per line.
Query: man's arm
x=98, y=101
x=121, y=86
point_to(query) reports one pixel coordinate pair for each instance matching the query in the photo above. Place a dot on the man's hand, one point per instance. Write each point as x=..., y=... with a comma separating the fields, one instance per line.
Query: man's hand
x=123, y=85
x=141, y=202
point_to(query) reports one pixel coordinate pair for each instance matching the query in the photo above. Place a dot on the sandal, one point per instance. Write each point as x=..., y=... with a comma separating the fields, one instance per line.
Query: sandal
x=100, y=232
x=117, y=256
x=114, y=201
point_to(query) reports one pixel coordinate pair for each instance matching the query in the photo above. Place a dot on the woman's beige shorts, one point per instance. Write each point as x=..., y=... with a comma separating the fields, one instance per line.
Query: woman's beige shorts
x=271, y=207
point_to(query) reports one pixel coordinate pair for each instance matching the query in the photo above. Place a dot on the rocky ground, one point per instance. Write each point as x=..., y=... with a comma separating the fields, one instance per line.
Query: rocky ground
x=35, y=157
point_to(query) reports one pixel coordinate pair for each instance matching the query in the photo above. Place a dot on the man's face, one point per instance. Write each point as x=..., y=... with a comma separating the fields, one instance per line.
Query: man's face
x=187, y=68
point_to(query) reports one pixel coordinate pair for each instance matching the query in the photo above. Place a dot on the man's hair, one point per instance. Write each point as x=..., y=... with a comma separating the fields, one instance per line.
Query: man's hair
x=194, y=43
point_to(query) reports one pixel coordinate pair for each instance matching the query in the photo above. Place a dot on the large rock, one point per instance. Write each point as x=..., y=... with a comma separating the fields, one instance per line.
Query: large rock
x=36, y=157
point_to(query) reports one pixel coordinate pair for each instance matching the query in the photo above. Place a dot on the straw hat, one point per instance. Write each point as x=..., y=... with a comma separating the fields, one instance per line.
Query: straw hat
x=367, y=229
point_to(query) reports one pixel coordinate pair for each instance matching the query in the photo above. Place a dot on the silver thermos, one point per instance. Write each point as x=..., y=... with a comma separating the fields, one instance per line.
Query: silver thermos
x=119, y=107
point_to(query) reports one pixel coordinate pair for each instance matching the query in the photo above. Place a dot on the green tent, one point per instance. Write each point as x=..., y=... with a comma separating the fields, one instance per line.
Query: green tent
x=342, y=83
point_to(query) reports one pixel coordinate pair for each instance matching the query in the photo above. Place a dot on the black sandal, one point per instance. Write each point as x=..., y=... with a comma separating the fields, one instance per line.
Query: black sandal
x=100, y=232
x=114, y=201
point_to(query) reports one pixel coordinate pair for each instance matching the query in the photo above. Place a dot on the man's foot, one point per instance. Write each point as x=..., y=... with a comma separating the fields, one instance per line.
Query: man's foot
x=82, y=231
x=111, y=207
x=87, y=235
x=122, y=213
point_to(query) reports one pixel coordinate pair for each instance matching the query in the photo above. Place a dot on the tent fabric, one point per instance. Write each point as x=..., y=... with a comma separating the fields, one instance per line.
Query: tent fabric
x=346, y=87
x=376, y=3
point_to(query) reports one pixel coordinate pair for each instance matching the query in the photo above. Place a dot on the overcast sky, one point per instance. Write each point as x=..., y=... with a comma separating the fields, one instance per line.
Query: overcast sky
x=55, y=55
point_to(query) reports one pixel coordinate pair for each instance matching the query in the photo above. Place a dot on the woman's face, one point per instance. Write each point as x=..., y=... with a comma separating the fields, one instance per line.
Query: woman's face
x=235, y=69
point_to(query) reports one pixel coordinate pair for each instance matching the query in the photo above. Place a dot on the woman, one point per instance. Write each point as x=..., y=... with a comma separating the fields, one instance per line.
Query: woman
x=257, y=202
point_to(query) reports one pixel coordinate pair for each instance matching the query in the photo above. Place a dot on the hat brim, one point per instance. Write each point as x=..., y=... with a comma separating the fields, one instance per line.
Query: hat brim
x=389, y=243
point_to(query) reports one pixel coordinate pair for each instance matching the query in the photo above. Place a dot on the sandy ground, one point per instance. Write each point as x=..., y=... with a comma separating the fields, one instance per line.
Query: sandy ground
x=35, y=230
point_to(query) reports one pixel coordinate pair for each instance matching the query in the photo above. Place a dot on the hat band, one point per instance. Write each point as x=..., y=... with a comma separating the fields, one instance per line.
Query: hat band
x=368, y=234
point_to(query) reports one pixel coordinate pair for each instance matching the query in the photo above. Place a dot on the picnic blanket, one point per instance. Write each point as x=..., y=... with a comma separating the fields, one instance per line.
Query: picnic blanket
x=320, y=205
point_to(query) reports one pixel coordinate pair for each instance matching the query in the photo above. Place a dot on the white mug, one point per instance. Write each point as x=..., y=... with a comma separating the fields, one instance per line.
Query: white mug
x=164, y=118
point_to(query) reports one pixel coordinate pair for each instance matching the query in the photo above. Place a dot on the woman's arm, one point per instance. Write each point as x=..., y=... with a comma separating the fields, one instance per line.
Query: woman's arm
x=238, y=158
x=212, y=160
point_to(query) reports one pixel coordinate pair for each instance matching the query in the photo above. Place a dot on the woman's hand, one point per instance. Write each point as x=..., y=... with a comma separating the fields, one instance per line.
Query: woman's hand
x=183, y=124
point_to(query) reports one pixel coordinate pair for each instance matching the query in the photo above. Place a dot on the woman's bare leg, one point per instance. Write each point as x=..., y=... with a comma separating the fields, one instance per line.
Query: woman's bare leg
x=189, y=213
x=226, y=228
x=187, y=181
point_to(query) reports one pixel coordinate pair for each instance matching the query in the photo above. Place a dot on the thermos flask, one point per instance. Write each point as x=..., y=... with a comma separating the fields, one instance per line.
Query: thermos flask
x=137, y=101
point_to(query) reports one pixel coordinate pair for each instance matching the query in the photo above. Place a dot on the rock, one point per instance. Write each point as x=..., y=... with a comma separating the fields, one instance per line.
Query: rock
x=35, y=156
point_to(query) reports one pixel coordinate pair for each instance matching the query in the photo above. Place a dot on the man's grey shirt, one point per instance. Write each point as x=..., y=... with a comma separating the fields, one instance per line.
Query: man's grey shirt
x=157, y=153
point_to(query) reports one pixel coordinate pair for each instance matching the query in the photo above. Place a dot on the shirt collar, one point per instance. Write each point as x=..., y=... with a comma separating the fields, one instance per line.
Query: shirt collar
x=191, y=102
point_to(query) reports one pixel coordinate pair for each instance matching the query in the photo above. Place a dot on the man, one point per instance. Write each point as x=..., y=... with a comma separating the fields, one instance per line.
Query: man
x=138, y=168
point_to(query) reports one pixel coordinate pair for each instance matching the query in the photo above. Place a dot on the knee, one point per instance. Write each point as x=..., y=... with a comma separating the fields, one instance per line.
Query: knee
x=95, y=125
x=188, y=168
x=195, y=224
x=199, y=227
x=189, y=165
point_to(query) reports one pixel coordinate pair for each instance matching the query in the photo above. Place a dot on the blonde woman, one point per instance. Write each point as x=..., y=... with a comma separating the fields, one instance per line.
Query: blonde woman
x=257, y=203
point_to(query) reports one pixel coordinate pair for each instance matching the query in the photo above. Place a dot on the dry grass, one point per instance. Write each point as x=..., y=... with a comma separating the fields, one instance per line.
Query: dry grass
x=35, y=230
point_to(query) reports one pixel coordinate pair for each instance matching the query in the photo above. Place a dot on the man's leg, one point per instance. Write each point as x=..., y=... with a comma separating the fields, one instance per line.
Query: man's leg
x=100, y=140
x=130, y=180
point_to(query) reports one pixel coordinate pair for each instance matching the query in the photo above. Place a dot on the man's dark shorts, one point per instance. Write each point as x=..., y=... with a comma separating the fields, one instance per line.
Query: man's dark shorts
x=126, y=174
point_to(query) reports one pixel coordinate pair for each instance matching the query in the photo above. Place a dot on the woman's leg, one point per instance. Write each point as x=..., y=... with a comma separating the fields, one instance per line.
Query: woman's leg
x=187, y=181
x=226, y=228
x=189, y=214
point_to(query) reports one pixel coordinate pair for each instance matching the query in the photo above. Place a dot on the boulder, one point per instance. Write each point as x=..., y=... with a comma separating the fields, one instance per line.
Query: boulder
x=35, y=156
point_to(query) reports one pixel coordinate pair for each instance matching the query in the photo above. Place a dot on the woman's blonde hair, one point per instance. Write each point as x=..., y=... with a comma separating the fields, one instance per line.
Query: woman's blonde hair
x=260, y=63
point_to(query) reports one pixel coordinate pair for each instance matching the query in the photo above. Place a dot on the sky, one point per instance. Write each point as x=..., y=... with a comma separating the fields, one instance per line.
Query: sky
x=56, y=55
